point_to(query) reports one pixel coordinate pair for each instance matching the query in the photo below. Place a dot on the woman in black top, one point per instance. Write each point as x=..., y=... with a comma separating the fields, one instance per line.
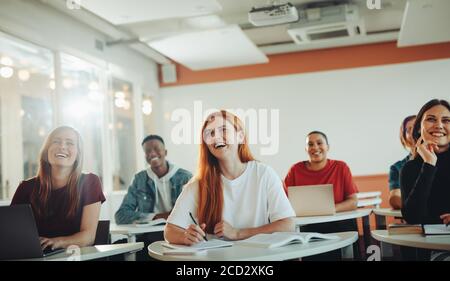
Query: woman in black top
x=425, y=180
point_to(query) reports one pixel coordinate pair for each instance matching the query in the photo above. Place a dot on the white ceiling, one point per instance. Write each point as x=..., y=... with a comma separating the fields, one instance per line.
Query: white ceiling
x=163, y=23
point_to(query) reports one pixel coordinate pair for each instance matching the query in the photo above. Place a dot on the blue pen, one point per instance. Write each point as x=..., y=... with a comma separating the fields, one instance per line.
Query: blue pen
x=192, y=217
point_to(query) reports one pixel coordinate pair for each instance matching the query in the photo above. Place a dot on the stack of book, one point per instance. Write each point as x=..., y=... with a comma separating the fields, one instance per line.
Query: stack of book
x=405, y=229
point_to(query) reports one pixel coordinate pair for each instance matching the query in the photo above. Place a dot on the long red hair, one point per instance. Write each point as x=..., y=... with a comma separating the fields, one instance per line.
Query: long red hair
x=210, y=201
x=41, y=195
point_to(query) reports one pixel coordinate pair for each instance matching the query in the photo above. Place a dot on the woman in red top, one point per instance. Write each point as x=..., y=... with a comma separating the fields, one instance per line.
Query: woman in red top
x=65, y=202
x=320, y=170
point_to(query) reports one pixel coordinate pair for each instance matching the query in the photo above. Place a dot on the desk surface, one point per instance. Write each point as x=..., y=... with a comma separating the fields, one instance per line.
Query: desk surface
x=387, y=212
x=432, y=242
x=130, y=229
x=5, y=202
x=94, y=252
x=337, y=217
x=245, y=253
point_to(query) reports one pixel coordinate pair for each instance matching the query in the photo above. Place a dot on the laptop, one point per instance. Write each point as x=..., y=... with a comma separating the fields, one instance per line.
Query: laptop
x=19, y=237
x=312, y=200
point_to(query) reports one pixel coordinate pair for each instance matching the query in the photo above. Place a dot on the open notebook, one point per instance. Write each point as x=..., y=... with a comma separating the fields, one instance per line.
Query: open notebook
x=436, y=229
x=278, y=239
x=175, y=249
x=160, y=221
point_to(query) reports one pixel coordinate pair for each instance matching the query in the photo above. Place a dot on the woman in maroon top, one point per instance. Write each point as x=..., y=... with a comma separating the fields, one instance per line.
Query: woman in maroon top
x=65, y=202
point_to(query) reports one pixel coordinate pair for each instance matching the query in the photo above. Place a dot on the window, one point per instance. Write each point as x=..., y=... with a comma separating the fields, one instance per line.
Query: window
x=147, y=109
x=124, y=141
x=81, y=107
x=26, y=97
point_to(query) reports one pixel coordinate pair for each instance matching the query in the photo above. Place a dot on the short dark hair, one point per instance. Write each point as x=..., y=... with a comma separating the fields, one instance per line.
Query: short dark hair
x=152, y=137
x=320, y=133
x=403, y=129
x=428, y=105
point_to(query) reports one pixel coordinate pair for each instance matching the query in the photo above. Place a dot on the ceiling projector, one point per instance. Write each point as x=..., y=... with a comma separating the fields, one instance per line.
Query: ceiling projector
x=273, y=14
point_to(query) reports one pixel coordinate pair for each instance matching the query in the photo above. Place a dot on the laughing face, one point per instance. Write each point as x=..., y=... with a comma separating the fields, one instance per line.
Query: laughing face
x=435, y=125
x=317, y=148
x=221, y=137
x=63, y=149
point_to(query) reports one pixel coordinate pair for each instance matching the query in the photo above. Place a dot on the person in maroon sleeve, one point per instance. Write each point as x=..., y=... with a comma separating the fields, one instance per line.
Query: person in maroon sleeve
x=321, y=170
x=66, y=203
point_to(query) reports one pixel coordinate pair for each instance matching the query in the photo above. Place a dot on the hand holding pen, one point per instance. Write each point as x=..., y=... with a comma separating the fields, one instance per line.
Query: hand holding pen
x=195, y=233
x=445, y=219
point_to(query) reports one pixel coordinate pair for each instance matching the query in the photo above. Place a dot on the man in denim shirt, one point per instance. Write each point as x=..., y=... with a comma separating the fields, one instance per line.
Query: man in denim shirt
x=153, y=192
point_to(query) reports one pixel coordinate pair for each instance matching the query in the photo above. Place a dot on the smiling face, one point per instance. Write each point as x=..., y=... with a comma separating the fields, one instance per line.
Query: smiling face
x=316, y=147
x=435, y=125
x=63, y=149
x=155, y=152
x=221, y=137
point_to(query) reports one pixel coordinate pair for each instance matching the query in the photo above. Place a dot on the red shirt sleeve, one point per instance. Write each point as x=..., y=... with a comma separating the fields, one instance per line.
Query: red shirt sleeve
x=91, y=190
x=349, y=185
x=289, y=180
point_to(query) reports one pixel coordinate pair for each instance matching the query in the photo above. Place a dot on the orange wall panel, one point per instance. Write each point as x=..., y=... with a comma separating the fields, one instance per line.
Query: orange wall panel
x=316, y=60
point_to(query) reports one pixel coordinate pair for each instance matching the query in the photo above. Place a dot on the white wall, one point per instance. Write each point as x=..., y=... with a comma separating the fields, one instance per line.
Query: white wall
x=359, y=109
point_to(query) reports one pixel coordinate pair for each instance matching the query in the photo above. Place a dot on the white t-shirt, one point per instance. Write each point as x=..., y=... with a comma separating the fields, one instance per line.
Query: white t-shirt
x=253, y=199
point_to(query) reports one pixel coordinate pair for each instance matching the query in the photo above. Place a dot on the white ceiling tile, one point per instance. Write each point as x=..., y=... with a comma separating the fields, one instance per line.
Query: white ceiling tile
x=425, y=22
x=223, y=47
x=132, y=11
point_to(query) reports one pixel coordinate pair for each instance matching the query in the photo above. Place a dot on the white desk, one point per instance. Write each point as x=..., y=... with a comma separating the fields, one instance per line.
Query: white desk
x=245, y=253
x=431, y=242
x=382, y=213
x=358, y=213
x=5, y=202
x=94, y=252
x=130, y=231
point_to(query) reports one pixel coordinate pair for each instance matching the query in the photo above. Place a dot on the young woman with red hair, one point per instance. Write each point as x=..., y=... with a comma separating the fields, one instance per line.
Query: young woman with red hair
x=233, y=196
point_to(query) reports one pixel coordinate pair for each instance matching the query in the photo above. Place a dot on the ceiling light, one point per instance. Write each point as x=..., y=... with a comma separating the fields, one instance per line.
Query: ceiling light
x=6, y=61
x=52, y=84
x=147, y=107
x=120, y=103
x=24, y=75
x=6, y=72
x=119, y=95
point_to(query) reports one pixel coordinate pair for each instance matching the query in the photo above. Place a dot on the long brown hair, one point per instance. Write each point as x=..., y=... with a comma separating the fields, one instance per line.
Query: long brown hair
x=41, y=195
x=210, y=201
